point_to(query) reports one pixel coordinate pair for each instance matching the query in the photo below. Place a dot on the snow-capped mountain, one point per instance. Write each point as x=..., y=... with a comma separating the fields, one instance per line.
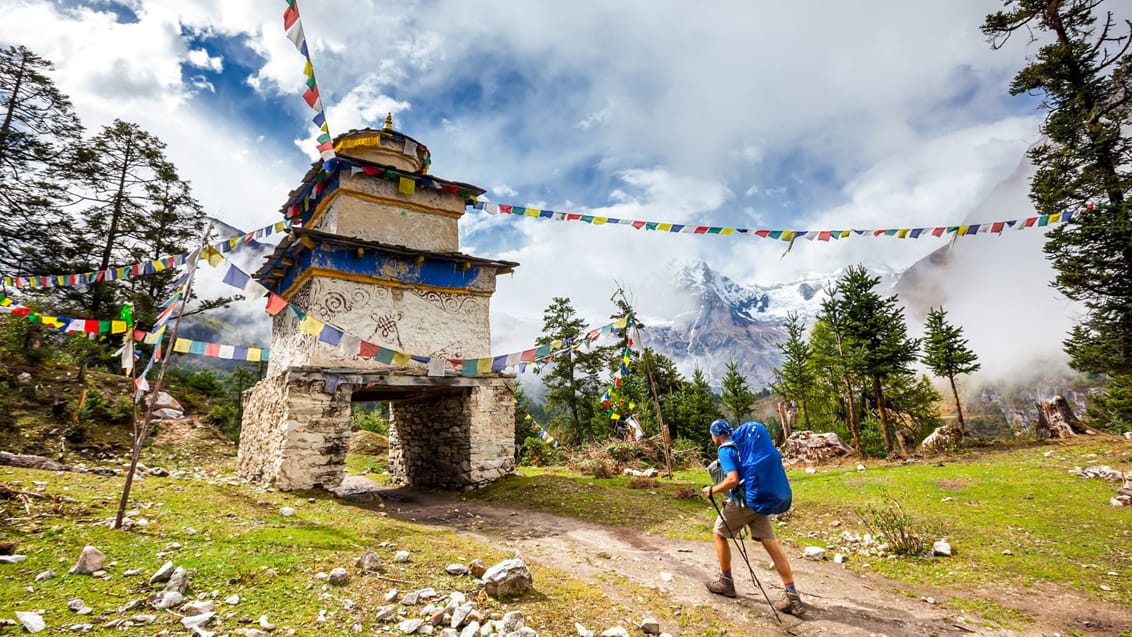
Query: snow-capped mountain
x=722, y=320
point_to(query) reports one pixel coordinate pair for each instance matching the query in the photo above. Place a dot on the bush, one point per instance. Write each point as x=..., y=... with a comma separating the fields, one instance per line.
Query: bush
x=536, y=452
x=643, y=483
x=905, y=535
x=596, y=467
x=688, y=454
x=98, y=407
x=622, y=451
x=872, y=440
x=226, y=417
x=372, y=421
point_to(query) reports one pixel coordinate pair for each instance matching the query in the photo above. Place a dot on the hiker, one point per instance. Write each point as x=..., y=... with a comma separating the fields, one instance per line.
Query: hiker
x=735, y=515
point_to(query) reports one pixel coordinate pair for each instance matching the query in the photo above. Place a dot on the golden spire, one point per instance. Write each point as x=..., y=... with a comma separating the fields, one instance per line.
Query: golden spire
x=388, y=122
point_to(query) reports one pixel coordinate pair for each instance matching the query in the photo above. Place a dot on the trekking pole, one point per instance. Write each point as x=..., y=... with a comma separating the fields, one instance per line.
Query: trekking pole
x=743, y=552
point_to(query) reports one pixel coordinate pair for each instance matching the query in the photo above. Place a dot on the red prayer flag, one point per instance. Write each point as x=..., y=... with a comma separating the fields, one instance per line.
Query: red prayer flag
x=938, y=232
x=573, y=217
x=997, y=226
x=275, y=303
x=824, y=235
x=89, y=326
x=311, y=96
x=212, y=349
x=527, y=356
x=638, y=224
x=1030, y=222
x=367, y=349
x=289, y=17
x=504, y=209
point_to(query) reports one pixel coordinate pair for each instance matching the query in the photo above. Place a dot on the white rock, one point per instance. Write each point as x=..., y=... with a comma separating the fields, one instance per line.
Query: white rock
x=287, y=512
x=456, y=569
x=410, y=626
x=32, y=622
x=338, y=576
x=815, y=553
x=650, y=626
x=511, y=622
x=163, y=574
x=582, y=630
x=391, y=595
x=471, y=630
x=811, y=470
x=90, y=560
x=401, y=557
x=232, y=600
x=81, y=628
x=167, y=599
x=75, y=605
x=941, y=548
x=860, y=467
x=197, y=621
x=12, y=559
x=264, y=624
x=45, y=575
x=198, y=607
x=839, y=558
x=616, y=631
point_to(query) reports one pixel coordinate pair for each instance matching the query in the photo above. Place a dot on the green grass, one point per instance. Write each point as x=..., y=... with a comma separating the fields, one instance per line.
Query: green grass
x=237, y=542
x=1058, y=528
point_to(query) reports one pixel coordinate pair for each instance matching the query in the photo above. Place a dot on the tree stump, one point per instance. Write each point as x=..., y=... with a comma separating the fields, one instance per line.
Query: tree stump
x=788, y=415
x=1056, y=420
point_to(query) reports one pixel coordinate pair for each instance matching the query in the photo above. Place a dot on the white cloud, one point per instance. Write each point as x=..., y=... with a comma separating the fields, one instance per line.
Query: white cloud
x=200, y=58
x=503, y=190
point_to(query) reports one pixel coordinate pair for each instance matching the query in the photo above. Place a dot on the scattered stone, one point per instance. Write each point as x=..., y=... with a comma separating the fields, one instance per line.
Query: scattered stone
x=460, y=614
x=839, y=558
x=90, y=560
x=12, y=559
x=32, y=622
x=582, y=630
x=264, y=624
x=511, y=622
x=860, y=467
x=456, y=569
x=1007, y=552
x=401, y=557
x=158, y=472
x=409, y=599
x=198, y=607
x=616, y=631
x=82, y=628
x=1048, y=454
x=508, y=578
x=178, y=581
x=132, y=572
x=811, y=470
x=930, y=600
x=129, y=606
x=810, y=447
x=197, y=621
x=167, y=599
x=392, y=595
x=410, y=626
x=386, y=613
x=815, y=553
x=1120, y=500
x=45, y=575
x=252, y=632
x=338, y=577
x=1128, y=435
x=369, y=562
x=143, y=619
x=427, y=593
x=167, y=414
x=232, y=600
x=477, y=568
x=163, y=574
x=471, y=630
x=75, y=605
x=650, y=626
x=943, y=438
x=941, y=549
x=287, y=512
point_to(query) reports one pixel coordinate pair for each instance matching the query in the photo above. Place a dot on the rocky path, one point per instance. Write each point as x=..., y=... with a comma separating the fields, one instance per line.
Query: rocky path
x=840, y=601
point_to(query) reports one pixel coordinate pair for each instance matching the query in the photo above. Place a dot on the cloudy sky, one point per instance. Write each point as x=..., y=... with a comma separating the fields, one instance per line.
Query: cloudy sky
x=748, y=114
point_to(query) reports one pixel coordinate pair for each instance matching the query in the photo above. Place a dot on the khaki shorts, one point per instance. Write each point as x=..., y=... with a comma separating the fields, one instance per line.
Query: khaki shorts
x=737, y=517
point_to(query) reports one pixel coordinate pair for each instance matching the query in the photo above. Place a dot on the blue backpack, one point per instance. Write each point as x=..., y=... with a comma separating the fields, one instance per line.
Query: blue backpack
x=761, y=473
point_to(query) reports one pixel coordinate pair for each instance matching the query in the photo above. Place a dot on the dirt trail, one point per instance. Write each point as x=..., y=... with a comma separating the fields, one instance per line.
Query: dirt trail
x=840, y=601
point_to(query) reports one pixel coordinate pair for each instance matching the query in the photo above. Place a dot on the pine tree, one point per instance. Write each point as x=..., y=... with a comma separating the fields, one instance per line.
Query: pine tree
x=796, y=376
x=833, y=354
x=947, y=355
x=738, y=399
x=572, y=377
x=1083, y=72
x=696, y=407
x=37, y=130
x=876, y=332
x=139, y=209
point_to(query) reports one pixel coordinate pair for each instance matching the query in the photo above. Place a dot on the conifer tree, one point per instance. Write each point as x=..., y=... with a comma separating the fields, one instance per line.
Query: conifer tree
x=796, y=376
x=876, y=332
x=947, y=355
x=738, y=399
x=38, y=128
x=696, y=408
x=840, y=360
x=137, y=209
x=1083, y=72
x=572, y=377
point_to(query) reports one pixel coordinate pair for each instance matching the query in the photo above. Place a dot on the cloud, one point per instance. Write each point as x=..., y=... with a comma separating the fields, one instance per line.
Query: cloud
x=201, y=58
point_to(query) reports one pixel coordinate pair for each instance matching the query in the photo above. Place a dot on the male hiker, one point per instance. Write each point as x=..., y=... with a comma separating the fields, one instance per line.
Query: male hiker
x=736, y=514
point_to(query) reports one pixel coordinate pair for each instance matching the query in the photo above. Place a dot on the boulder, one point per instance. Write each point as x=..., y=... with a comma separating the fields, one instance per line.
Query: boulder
x=90, y=560
x=942, y=439
x=508, y=578
x=810, y=447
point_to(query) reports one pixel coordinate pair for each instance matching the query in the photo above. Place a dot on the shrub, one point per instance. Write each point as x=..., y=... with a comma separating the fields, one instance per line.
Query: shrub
x=905, y=535
x=537, y=452
x=596, y=467
x=372, y=421
x=622, y=451
x=643, y=483
x=226, y=417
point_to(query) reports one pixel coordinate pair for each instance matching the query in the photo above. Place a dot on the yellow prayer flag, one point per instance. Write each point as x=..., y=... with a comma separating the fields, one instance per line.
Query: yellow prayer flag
x=117, y=327
x=279, y=226
x=158, y=265
x=213, y=256
x=232, y=242
x=406, y=186
x=664, y=227
x=726, y=231
x=311, y=325
x=788, y=235
x=600, y=220
x=181, y=345
x=962, y=231
x=400, y=359
x=621, y=322
x=483, y=365
x=1055, y=217
x=903, y=233
x=255, y=354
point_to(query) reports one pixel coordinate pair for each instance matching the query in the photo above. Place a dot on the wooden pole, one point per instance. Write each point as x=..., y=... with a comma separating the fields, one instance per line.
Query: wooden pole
x=139, y=440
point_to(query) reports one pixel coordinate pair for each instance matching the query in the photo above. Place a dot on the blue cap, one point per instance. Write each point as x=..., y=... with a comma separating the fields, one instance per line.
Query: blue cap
x=720, y=428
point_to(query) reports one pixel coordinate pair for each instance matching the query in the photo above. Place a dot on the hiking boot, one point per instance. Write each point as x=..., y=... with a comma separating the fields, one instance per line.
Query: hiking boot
x=722, y=586
x=791, y=604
